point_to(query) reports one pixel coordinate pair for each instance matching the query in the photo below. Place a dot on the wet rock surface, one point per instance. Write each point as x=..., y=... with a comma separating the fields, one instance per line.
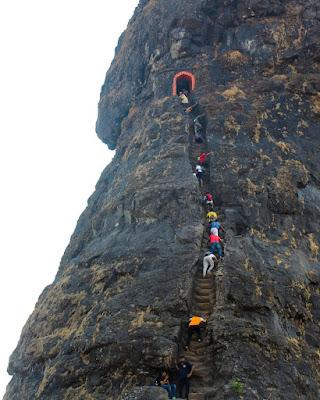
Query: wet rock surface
x=113, y=315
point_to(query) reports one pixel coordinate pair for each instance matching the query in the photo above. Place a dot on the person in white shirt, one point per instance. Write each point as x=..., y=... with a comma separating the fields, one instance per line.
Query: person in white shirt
x=208, y=263
x=214, y=231
x=199, y=174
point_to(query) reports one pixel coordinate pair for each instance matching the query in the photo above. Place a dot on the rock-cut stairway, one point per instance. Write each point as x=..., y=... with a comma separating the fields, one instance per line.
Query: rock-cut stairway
x=202, y=301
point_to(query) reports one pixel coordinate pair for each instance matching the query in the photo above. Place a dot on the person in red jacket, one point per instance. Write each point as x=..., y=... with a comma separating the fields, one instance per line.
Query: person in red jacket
x=202, y=158
x=208, y=199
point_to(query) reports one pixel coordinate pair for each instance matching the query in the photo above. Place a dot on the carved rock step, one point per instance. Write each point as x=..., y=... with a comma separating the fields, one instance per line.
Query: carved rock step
x=202, y=313
x=201, y=298
x=207, y=289
x=200, y=279
x=199, y=276
x=203, y=308
x=197, y=346
x=203, y=292
x=196, y=396
x=196, y=358
x=204, y=285
x=199, y=393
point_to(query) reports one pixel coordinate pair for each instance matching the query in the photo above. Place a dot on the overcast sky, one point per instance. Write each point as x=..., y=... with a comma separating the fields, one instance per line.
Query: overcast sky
x=54, y=56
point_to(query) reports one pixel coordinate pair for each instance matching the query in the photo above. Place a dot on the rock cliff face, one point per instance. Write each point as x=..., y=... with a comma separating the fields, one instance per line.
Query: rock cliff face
x=127, y=281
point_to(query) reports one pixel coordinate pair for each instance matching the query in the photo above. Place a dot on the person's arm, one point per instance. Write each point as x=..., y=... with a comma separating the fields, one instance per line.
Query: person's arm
x=164, y=380
x=222, y=228
x=190, y=373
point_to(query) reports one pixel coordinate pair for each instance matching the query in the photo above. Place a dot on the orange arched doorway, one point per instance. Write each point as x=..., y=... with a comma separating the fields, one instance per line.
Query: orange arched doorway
x=183, y=80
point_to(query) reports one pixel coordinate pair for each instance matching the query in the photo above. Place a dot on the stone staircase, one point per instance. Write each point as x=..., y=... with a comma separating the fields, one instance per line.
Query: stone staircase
x=203, y=296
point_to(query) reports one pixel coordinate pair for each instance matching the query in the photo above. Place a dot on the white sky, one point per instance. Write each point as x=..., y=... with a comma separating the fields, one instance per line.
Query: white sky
x=54, y=56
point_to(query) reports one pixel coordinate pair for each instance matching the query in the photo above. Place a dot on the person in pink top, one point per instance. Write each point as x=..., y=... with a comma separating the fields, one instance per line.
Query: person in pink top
x=215, y=244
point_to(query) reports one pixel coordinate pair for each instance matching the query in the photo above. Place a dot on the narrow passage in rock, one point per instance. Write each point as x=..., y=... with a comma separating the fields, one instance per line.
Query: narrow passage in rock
x=203, y=292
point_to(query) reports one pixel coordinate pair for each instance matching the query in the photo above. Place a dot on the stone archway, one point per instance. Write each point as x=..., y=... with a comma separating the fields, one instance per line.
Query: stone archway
x=183, y=80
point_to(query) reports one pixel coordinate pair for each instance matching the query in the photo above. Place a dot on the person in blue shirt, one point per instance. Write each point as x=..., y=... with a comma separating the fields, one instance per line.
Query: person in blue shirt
x=216, y=225
x=185, y=370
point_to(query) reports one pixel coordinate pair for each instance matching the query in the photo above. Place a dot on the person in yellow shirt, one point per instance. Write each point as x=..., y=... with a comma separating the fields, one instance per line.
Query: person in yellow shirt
x=194, y=325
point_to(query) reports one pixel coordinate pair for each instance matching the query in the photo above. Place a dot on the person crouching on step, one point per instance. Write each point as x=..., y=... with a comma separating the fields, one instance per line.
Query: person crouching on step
x=209, y=260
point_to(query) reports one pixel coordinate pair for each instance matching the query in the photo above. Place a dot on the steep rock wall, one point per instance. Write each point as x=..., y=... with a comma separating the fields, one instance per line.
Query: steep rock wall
x=113, y=314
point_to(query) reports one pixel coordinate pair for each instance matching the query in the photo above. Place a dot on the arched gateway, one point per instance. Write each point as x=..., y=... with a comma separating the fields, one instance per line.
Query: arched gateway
x=183, y=81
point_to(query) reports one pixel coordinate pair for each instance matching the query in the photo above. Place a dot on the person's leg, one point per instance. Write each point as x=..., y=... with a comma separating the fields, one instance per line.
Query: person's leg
x=190, y=332
x=211, y=262
x=210, y=268
x=212, y=248
x=187, y=385
x=198, y=332
x=173, y=390
x=168, y=389
x=216, y=249
x=181, y=386
x=201, y=179
x=205, y=266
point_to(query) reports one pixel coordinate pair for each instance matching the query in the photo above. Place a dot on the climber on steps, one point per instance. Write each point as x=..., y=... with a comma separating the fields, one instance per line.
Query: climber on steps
x=202, y=158
x=215, y=245
x=198, y=132
x=215, y=228
x=185, y=370
x=209, y=260
x=208, y=200
x=199, y=174
x=183, y=98
x=212, y=216
x=194, y=325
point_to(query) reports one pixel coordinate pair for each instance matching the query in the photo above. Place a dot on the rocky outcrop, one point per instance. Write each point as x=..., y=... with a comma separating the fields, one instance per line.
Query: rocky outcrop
x=113, y=315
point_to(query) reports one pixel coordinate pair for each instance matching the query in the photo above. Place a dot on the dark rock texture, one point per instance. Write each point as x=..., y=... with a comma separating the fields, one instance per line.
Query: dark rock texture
x=113, y=316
